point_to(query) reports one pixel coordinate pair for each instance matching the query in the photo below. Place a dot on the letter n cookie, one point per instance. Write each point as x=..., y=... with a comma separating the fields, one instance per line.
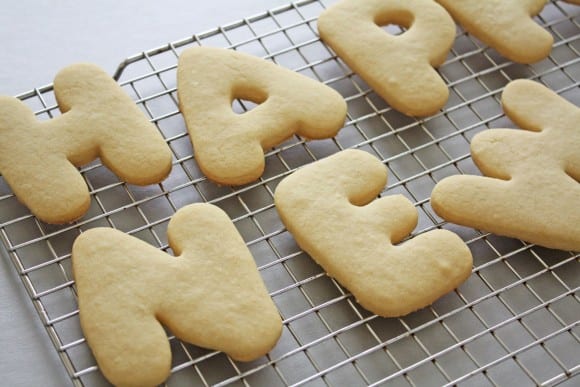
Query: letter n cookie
x=398, y=68
x=330, y=209
x=531, y=188
x=505, y=25
x=210, y=294
x=38, y=159
x=229, y=147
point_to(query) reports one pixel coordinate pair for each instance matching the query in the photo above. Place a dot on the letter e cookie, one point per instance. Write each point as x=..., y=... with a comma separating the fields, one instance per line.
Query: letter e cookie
x=329, y=207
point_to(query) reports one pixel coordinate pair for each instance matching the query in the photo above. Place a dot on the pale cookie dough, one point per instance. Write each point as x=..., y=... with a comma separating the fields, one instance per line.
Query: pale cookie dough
x=38, y=158
x=211, y=294
x=398, y=68
x=505, y=25
x=532, y=191
x=229, y=147
x=330, y=209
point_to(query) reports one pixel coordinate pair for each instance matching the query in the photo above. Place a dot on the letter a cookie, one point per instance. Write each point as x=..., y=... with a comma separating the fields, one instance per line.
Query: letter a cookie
x=38, y=159
x=210, y=294
x=329, y=209
x=399, y=68
x=505, y=25
x=532, y=189
x=229, y=148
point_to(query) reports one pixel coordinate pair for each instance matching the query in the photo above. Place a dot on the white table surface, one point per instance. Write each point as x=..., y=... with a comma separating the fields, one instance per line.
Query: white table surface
x=39, y=37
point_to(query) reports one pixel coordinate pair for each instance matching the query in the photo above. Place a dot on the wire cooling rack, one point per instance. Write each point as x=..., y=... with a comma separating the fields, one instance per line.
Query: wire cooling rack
x=514, y=322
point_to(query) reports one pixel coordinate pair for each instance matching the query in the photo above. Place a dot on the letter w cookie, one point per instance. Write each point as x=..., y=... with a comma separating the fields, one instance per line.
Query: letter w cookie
x=531, y=188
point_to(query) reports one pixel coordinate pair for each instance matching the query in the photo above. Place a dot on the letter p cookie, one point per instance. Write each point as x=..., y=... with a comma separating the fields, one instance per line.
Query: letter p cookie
x=398, y=68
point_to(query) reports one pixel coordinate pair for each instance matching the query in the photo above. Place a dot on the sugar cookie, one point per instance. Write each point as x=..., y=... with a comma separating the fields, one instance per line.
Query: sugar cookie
x=505, y=25
x=532, y=191
x=38, y=158
x=398, y=68
x=210, y=295
x=329, y=209
x=229, y=148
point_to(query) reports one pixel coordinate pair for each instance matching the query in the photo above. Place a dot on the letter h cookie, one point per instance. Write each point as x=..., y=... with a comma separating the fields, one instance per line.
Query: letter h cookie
x=38, y=159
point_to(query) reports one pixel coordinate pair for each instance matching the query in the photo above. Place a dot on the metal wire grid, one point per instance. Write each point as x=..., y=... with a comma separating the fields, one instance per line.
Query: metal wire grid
x=514, y=321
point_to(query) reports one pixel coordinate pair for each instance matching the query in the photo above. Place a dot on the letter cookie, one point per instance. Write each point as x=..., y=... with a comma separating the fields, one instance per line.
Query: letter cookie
x=505, y=25
x=399, y=68
x=229, y=148
x=38, y=158
x=328, y=206
x=210, y=294
x=532, y=191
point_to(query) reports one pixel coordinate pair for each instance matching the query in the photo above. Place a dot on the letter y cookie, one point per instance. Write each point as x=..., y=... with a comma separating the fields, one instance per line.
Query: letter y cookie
x=505, y=25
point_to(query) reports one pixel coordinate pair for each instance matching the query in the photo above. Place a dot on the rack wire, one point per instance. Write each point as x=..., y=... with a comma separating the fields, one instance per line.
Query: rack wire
x=514, y=322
